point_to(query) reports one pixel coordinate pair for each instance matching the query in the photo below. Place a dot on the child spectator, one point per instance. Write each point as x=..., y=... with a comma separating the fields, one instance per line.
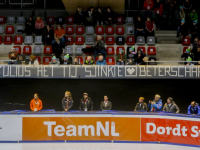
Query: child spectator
x=121, y=58
x=79, y=16
x=67, y=60
x=54, y=61
x=149, y=27
x=13, y=56
x=130, y=62
x=39, y=26
x=189, y=63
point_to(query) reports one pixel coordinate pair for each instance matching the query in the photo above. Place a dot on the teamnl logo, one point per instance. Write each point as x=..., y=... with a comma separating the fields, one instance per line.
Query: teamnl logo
x=72, y=130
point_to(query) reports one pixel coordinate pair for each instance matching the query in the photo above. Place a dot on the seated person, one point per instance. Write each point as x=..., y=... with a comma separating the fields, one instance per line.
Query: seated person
x=30, y=26
x=59, y=33
x=139, y=27
x=57, y=48
x=101, y=61
x=67, y=60
x=90, y=17
x=170, y=106
x=99, y=47
x=39, y=26
x=121, y=58
x=22, y=60
x=36, y=103
x=109, y=16
x=193, y=108
x=131, y=53
x=48, y=35
x=13, y=56
x=100, y=16
x=139, y=57
x=182, y=29
x=89, y=61
x=67, y=101
x=86, y=103
x=33, y=61
x=76, y=62
x=141, y=106
x=54, y=61
x=149, y=27
x=106, y=105
x=156, y=104
x=187, y=55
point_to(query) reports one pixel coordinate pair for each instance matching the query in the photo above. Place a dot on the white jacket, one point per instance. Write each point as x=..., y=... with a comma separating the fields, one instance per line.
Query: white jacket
x=36, y=63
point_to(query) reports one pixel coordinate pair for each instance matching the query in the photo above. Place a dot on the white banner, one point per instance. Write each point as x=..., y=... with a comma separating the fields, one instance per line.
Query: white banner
x=10, y=128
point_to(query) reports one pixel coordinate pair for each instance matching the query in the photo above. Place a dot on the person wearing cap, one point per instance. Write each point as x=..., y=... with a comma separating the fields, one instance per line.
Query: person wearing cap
x=131, y=55
x=193, y=108
x=141, y=105
x=182, y=29
x=89, y=61
x=33, y=61
x=36, y=103
x=156, y=104
x=194, y=30
x=187, y=55
x=67, y=101
x=54, y=61
x=101, y=61
x=67, y=60
x=139, y=27
x=86, y=103
x=139, y=56
x=13, y=56
x=121, y=57
x=170, y=106
x=189, y=63
x=106, y=105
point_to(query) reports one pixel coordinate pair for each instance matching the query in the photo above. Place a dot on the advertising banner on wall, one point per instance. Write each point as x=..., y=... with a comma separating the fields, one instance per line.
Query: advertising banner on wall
x=170, y=130
x=81, y=128
x=10, y=128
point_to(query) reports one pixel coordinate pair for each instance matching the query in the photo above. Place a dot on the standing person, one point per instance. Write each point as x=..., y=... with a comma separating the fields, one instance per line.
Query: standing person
x=86, y=103
x=106, y=105
x=67, y=60
x=101, y=61
x=99, y=47
x=13, y=56
x=182, y=13
x=139, y=27
x=109, y=16
x=36, y=103
x=170, y=106
x=58, y=48
x=39, y=26
x=139, y=57
x=156, y=104
x=59, y=33
x=79, y=16
x=141, y=106
x=158, y=9
x=148, y=6
x=90, y=17
x=149, y=27
x=33, y=61
x=100, y=16
x=67, y=101
x=48, y=35
x=193, y=108
x=121, y=58
x=30, y=26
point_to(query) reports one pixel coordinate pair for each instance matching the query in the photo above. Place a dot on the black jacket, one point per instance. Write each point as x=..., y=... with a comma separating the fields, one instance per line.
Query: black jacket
x=139, y=107
x=107, y=107
x=139, y=59
x=100, y=16
x=64, y=103
x=79, y=17
x=194, y=29
x=89, y=104
x=184, y=29
x=57, y=47
x=139, y=25
x=46, y=33
x=109, y=15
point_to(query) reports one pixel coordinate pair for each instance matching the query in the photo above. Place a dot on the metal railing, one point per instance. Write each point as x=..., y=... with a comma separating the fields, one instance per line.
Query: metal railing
x=20, y=2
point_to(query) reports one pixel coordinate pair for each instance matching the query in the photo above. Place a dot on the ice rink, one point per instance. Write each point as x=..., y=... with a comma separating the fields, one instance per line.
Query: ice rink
x=91, y=146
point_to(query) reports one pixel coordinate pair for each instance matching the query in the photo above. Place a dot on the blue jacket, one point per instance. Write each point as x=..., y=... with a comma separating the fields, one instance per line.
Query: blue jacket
x=101, y=62
x=157, y=106
x=193, y=110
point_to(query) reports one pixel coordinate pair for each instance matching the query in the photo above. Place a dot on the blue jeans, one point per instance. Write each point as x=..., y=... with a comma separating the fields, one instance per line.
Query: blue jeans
x=120, y=63
x=103, y=52
x=12, y=62
x=62, y=40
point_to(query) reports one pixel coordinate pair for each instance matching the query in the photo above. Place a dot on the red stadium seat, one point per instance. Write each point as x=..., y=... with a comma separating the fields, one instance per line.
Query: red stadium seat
x=70, y=40
x=186, y=40
x=109, y=30
x=70, y=20
x=48, y=50
x=2, y=20
x=1, y=40
x=38, y=59
x=69, y=30
x=80, y=59
x=80, y=30
x=102, y=38
x=46, y=60
x=184, y=49
x=143, y=49
x=27, y=50
x=151, y=51
x=120, y=21
x=110, y=40
x=9, y=30
x=8, y=40
x=110, y=61
x=120, y=48
x=18, y=49
x=130, y=40
x=110, y=50
x=99, y=30
x=18, y=40
x=79, y=40
x=50, y=20
x=120, y=30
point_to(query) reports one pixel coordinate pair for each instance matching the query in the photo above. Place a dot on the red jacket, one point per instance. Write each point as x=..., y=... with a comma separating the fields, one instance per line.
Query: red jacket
x=148, y=4
x=159, y=10
x=149, y=25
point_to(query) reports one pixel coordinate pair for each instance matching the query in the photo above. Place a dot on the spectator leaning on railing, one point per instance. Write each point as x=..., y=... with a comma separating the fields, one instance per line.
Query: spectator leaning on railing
x=170, y=106
x=101, y=60
x=106, y=105
x=193, y=108
x=156, y=104
x=89, y=61
x=141, y=105
x=67, y=101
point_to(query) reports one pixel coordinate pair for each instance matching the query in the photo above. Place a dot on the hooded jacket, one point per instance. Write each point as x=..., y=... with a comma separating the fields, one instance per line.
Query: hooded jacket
x=173, y=108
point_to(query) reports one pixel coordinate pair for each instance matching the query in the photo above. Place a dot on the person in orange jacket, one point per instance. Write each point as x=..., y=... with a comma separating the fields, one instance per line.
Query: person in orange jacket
x=36, y=103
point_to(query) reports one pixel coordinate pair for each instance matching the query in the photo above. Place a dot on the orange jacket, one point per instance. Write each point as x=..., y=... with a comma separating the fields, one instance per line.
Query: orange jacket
x=36, y=104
